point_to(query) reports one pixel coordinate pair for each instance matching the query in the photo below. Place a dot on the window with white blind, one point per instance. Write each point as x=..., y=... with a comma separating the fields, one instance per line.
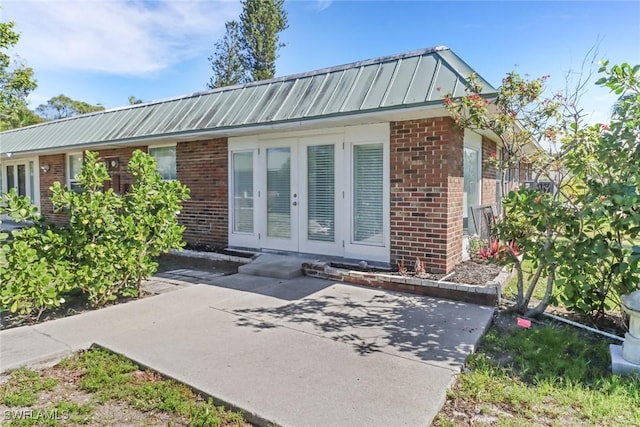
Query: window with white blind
x=472, y=170
x=321, y=193
x=368, y=194
x=74, y=167
x=166, y=161
x=242, y=165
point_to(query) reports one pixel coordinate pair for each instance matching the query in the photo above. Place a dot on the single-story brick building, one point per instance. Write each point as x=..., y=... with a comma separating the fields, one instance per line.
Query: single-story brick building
x=356, y=162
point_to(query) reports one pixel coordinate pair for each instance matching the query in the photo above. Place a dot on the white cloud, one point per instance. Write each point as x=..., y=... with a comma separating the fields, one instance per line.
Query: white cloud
x=117, y=37
x=323, y=4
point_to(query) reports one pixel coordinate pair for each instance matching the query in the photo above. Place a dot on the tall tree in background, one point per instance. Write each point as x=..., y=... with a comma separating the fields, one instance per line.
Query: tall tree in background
x=134, y=101
x=61, y=106
x=249, y=48
x=16, y=82
x=262, y=21
x=228, y=62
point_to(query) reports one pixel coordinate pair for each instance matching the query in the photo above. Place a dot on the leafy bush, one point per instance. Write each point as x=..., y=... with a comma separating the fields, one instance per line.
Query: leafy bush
x=32, y=275
x=581, y=237
x=106, y=251
x=115, y=237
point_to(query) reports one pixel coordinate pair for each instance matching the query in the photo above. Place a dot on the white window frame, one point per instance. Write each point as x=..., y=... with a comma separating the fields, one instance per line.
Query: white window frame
x=175, y=158
x=356, y=135
x=239, y=239
x=67, y=161
x=472, y=141
x=32, y=176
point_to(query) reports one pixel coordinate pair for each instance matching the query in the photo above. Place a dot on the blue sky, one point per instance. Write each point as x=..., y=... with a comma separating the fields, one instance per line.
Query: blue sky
x=102, y=51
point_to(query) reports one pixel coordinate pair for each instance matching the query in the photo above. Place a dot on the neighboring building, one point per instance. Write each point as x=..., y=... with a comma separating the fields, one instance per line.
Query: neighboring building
x=358, y=162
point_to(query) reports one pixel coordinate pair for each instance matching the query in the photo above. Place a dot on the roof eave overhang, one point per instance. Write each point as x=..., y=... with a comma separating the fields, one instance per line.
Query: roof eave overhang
x=367, y=117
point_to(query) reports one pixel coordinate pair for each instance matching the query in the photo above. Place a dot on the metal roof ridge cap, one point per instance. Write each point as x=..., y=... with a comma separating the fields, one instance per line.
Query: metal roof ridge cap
x=320, y=71
x=326, y=70
x=490, y=86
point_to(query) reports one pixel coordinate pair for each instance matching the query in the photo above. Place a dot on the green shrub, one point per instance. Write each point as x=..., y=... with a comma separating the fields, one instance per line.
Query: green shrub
x=108, y=247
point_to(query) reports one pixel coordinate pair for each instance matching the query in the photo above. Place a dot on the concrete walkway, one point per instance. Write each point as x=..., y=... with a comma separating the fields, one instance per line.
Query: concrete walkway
x=300, y=352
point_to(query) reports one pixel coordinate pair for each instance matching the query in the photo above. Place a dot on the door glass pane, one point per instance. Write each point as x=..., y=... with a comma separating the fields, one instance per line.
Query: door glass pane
x=321, y=193
x=75, y=167
x=32, y=190
x=11, y=178
x=471, y=187
x=22, y=180
x=368, y=187
x=243, y=192
x=279, y=192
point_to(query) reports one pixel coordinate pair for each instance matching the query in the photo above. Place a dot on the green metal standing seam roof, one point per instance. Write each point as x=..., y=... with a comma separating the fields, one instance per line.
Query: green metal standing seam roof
x=408, y=80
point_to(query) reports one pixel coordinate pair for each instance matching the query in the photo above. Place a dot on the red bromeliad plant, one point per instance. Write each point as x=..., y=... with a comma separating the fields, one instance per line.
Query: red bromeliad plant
x=496, y=251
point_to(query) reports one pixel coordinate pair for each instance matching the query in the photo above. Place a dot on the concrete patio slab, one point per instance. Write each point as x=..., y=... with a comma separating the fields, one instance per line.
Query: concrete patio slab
x=301, y=352
x=275, y=266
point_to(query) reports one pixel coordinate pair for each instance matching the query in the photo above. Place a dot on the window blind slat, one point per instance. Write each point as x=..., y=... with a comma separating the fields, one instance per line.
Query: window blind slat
x=321, y=193
x=368, y=191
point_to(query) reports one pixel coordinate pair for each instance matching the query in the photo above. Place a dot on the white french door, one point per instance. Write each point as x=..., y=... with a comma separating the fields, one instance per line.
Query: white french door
x=21, y=175
x=280, y=207
x=322, y=194
x=322, y=203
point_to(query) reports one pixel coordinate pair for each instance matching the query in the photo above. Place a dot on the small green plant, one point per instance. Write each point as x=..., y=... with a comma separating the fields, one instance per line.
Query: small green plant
x=23, y=388
x=475, y=244
x=546, y=375
x=112, y=377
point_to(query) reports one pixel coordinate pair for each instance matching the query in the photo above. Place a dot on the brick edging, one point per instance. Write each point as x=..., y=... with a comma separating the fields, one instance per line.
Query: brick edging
x=490, y=294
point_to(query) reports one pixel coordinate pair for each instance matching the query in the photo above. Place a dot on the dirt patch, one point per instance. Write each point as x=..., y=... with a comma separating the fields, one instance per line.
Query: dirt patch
x=67, y=404
x=470, y=272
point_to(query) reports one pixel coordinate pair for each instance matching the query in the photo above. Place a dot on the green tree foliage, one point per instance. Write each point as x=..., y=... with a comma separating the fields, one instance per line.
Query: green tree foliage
x=16, y=82
x=134, y=101
x=603, y=261
x=61, y=106
x=582, y=237
x=108, y=248
x=228, y=62
x=261, y=22
x=249, y=48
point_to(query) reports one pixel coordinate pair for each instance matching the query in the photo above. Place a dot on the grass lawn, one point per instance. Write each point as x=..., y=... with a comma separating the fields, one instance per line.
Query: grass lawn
x=97, y=387
x=548, y=375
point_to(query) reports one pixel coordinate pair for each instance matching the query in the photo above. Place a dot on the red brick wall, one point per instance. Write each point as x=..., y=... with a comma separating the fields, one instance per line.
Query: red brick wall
x=56, y=172
x=488, y=172
x=202, y=166
x=426, y=193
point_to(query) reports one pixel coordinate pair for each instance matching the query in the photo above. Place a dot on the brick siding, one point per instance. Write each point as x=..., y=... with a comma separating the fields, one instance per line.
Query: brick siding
x=202, y=166
x=426, y=174
x=56, y=172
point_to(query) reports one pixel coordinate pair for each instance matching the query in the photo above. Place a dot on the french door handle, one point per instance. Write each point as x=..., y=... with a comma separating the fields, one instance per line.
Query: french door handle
x=295, y=203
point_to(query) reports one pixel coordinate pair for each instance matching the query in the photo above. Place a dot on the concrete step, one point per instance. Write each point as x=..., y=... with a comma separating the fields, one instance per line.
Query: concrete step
x=276, y=266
